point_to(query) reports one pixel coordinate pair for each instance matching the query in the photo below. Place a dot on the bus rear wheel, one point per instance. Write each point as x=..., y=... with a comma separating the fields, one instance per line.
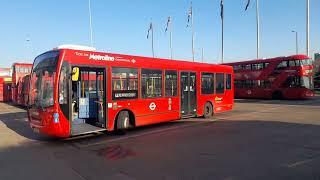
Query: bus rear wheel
x=123, y=122
x=208, y=111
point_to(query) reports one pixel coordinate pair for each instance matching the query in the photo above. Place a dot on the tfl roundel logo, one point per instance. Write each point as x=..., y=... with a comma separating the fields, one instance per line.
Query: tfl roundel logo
x=152, y=106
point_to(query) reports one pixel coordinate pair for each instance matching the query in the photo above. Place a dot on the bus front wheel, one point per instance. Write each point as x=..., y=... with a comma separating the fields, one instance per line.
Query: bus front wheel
x=208, y=110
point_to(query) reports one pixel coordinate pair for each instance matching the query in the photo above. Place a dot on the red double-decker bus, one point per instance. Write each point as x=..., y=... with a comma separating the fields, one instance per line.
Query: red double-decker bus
x=276, y=78
x=19, y=70
x=75, y=90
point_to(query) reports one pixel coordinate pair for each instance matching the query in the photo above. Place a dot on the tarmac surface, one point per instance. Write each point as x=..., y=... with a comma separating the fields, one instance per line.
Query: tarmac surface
x=260, y=139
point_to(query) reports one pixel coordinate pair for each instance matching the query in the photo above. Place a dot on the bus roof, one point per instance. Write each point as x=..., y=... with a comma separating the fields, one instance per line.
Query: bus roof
x=22, y=64
x=101, y=58
x=284, y=58
x=75, y=47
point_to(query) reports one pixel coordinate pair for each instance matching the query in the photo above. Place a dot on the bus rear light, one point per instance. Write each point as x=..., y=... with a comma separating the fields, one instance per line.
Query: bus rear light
x=56, y=118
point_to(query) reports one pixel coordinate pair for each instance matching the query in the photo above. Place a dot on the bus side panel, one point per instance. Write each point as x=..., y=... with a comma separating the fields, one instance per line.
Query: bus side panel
x=157, y=111
x=146, y=111
x=221, y=102
x=253, y=93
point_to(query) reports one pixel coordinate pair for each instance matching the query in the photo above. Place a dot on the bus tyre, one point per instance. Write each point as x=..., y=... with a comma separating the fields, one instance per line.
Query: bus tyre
x=277, y=95
x=208, y=110
x=123, y=121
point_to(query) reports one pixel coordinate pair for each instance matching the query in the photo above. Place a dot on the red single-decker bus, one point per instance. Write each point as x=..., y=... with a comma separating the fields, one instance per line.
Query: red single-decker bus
x=76, y=91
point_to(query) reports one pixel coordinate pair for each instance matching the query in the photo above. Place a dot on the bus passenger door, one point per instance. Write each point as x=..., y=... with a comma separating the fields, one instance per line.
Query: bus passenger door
x=188, y=93
x=89, y=93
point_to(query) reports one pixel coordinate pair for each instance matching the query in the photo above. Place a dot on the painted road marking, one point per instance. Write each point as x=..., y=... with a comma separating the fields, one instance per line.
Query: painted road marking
x=299, y=163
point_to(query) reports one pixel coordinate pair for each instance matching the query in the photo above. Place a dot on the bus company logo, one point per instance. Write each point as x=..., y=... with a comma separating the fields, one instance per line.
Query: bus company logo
x=218, y=100
x=308, y=71
x=152, y=106
x=101, y=58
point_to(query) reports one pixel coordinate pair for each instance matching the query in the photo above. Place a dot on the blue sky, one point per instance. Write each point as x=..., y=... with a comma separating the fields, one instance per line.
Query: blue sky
x=121, y=27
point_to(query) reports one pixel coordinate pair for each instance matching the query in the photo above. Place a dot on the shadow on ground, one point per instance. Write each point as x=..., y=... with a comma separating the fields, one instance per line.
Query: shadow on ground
x=18, y=122
x=214, y=150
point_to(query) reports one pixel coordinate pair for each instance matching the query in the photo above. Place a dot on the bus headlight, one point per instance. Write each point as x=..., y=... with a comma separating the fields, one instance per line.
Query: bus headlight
x=56, y=118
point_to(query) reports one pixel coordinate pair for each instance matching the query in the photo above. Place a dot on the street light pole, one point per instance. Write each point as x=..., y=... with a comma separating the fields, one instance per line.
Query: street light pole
x=308, y=28
x=90, y=21
x=193, y=58
x=171, y=50
x=202, y=55
x=258, y=28
x=152, y=41
x=297, y=46
x=29, y=47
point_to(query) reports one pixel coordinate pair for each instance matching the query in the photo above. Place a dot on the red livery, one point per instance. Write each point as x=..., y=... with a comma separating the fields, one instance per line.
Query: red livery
x=278, y=78
x=76, y=91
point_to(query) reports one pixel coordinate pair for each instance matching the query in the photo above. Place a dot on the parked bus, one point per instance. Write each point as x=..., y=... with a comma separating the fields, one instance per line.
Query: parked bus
x=5, y=89
x=23, y=91
x=276, y=78
x=5, y=84
x=19, y=70
x=76, y=90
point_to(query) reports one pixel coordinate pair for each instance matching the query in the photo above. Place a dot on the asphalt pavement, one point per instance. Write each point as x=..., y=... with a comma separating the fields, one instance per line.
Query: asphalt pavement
x=259, y=139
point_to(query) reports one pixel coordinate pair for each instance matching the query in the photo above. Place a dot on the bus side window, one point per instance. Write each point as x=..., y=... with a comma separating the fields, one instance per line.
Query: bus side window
x=292, y=63
x=219, y=83
x=171, y=83
x=282, y=65
x=248, y=67
x=228, y=82
x=151, y=83
x=207, y=83
x=124, y=83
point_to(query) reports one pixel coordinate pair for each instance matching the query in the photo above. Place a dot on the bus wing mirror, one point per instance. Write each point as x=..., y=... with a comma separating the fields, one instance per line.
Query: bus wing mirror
x=75, y=74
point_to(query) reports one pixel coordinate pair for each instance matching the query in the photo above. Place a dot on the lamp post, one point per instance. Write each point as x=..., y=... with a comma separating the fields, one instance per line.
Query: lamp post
x=308, y=28
x=90, y=23
x=297, y=46
x=29, y=47
x=258, y=28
